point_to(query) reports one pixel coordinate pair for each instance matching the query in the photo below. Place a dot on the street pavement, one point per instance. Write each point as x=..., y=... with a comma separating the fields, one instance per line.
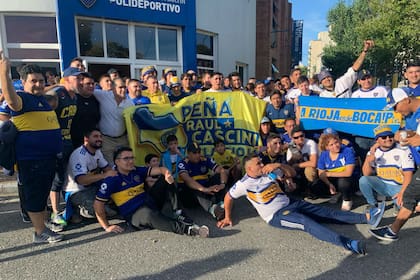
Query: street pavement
x=250, y=249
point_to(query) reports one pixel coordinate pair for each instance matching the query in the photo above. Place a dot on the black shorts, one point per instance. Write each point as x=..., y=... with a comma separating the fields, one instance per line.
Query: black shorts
x=411, y=194
x=36, y=177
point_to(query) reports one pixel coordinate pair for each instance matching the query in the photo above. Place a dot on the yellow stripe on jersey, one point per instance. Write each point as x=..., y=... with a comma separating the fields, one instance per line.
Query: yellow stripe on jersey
x=279, y=123
x=266, y=195
x=338, y=169
x=390, y=173
x=34, y=121
x=123, y=196
x=198, y=177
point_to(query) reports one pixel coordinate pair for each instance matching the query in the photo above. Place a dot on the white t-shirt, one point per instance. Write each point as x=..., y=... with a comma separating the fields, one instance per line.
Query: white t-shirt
x=82, y=162
x=309, y=148
x=343, y=85
x=292, y=94
x=374, y=92
x=264, y=194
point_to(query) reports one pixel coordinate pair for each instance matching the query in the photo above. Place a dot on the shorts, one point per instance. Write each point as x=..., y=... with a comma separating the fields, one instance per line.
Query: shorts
x=36, y=177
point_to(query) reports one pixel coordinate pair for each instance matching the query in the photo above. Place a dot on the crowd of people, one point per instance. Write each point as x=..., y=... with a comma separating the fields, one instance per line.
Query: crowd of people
x=70, y=141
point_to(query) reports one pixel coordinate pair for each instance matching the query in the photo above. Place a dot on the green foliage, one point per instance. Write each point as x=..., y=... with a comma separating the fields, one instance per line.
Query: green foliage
x=392, y=24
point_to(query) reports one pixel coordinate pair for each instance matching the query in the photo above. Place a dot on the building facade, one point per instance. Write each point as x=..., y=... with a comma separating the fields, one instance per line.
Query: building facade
x=273, y=38
x=316, y=50
x=297, y=42
x=130, y=34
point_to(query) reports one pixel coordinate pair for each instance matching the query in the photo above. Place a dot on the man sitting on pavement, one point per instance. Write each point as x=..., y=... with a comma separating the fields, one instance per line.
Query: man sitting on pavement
x=387, y=169
x=87, y=169
x=194, y=172
x=134, y=204
x=279, y=211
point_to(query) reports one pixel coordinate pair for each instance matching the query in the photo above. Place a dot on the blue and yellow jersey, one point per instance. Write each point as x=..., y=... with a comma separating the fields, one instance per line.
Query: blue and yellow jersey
x=198, y=171
x=346, y=157
x=39, y=132
x=127, y=192
x=266, y=158
x=227, y=159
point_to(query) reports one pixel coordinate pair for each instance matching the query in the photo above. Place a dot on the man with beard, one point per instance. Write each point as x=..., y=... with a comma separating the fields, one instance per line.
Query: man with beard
x=86, y=170
x=87, y=116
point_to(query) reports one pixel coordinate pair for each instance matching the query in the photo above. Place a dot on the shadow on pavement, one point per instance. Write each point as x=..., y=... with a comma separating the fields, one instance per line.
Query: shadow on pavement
x=194, y=269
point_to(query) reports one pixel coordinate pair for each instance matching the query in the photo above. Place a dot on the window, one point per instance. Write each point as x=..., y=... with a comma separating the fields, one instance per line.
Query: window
x=90, y=38
x=145, y=42
x=206, y=52
x=117, y=40
x=168, y=44
x=32, y=39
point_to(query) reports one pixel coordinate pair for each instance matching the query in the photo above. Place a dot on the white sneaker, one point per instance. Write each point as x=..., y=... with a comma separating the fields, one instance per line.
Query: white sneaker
x=346, y=205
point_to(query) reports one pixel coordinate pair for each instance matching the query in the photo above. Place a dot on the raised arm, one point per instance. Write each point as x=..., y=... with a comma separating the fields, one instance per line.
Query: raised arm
x=13, y=100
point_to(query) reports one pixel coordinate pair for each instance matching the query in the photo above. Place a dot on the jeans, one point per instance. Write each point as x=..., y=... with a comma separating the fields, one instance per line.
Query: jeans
x=305, y=216
x=370, y=184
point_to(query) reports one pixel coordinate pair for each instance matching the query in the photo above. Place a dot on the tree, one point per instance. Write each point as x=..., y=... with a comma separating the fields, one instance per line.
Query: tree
x=391, y=24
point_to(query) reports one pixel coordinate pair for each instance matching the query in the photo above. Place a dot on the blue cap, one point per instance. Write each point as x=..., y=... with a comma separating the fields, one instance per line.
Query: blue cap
x=71, y=71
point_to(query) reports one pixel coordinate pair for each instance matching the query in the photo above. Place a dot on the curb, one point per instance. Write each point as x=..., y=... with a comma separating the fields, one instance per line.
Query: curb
x=8, y=187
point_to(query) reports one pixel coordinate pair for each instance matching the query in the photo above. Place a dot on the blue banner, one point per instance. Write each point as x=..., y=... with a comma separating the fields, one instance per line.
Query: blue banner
x=357, y=116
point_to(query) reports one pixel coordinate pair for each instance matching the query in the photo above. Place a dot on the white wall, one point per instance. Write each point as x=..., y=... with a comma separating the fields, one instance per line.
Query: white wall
x=234, y=22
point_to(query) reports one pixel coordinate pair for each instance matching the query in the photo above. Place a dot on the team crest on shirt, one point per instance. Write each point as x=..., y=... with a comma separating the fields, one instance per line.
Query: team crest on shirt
x=203, y=169
x=286, y=112
x=136, y=178
x=40, y=104
x=103, y=188
x=396, y=157
x=376, y=94
x=78, y=166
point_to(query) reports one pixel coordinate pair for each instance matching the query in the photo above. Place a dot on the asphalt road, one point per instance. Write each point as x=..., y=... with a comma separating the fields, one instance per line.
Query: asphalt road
x=250, y=249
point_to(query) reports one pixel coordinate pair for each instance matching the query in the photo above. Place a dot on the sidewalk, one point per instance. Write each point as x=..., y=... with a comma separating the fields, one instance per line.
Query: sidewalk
x=8, y=184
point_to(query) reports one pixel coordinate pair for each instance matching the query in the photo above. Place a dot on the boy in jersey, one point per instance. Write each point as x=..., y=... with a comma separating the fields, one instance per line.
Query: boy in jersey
x=279, y=211
x=228, y=161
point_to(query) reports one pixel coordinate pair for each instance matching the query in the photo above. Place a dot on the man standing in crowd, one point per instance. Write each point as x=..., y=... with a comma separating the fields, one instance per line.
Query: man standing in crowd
x=216, y=79
x=66, y=110
x=366, y=87
x=279, y=112
x=134, y=93
x=153, y=92
x=37, y=144
x=342, y=86
x=412, y=74
x=111, y=105
x=87, y=115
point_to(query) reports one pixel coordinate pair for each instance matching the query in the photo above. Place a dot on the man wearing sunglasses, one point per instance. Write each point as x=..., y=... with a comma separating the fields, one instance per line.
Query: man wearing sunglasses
x=387, y=169
x=367, y=88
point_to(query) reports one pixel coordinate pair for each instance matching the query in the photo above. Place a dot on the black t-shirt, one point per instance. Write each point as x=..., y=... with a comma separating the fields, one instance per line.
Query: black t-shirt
x=86, y=118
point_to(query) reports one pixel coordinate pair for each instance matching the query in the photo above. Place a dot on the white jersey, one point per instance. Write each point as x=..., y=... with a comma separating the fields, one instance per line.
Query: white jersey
x=374, y=92
x=82, y=162
x=390, y=164
x=292, y=94
x=264, y=194
x=342, y=86
x=309, y=148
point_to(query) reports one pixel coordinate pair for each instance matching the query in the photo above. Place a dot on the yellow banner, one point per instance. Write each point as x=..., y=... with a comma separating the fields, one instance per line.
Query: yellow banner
x=233, y=117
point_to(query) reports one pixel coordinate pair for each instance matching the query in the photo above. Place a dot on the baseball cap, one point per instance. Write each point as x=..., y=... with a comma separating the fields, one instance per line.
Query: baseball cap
x=166, y=71
x=330, y=130
x=363, y=73
x=382, y=130
x=395, y=96
x=265, y=120
x=175, y=81
x=112, y=70
x=71, y=71
x=147, y=70
x=323, y=74
x=193, y=147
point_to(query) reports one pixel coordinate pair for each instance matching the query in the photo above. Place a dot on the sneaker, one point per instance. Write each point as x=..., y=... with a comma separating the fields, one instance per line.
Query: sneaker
x=376, y=214
x=346, y=205
x=356, y=246
x=219, y=213
x=25, y=217
x=47, y=236
x=85, y=213
x=54, y=227
x=58, y=219
x=181, y=217
x=202, y=231
x=384, y=233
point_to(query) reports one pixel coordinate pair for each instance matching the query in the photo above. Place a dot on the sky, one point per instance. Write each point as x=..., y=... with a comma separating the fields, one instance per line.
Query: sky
x=314, y=16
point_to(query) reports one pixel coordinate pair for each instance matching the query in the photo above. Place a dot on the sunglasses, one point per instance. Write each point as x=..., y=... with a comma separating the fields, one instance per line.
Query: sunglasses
x=386, y=136
x=365, y=78
x=298, y=136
